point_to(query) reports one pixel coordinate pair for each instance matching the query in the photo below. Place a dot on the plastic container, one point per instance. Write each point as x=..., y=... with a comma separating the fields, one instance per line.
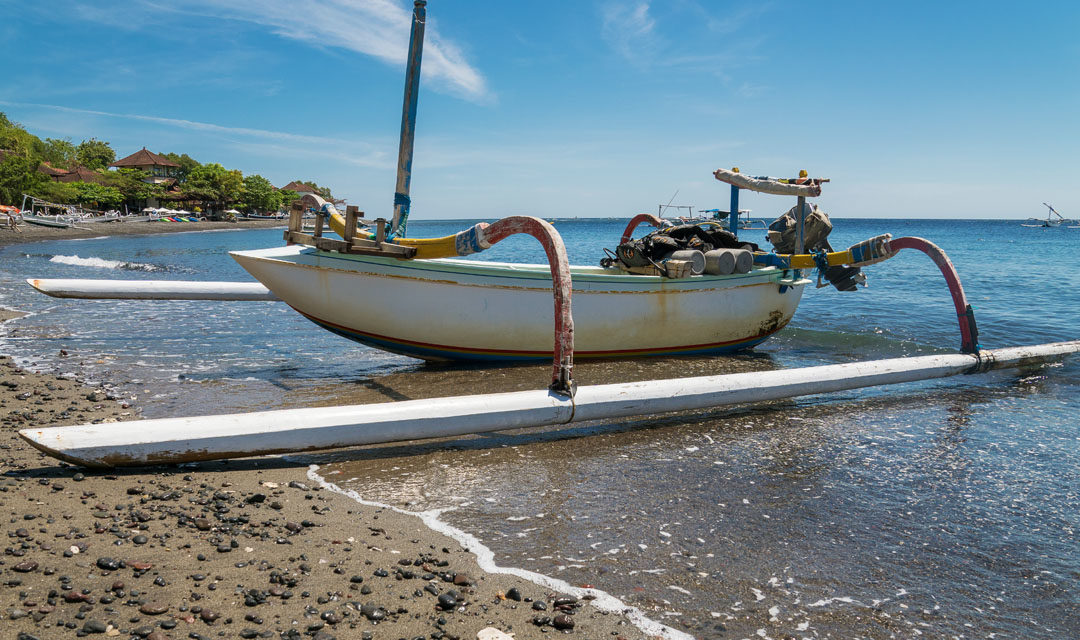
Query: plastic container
x=720, y=262
x=693, y=256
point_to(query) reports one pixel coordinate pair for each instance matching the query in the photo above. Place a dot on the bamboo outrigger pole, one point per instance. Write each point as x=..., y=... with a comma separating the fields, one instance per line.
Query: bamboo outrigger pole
x=175, y=440
x=408, y=120
x=151, y=289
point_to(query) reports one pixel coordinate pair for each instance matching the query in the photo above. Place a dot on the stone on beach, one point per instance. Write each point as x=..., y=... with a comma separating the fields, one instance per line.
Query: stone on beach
x=290, y=550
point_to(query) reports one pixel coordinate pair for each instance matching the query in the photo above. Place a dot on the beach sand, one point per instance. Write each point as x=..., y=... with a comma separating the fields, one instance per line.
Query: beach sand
x=34, y=233
x=252, y=548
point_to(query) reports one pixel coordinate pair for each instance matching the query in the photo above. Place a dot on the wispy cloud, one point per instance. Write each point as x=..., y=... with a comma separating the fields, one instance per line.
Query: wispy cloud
x=733, y=19
x=636, y=31
x=629, y=29
x=378, y=28
x=279, y=140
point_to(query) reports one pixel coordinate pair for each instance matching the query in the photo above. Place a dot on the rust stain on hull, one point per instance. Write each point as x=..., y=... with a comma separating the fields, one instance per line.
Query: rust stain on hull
x=772, y=324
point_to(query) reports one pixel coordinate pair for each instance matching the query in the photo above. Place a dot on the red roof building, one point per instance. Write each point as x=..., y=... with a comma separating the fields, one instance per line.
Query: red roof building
x=80, y=174
x=160, y=169
x=300, y=188
x=50, y=170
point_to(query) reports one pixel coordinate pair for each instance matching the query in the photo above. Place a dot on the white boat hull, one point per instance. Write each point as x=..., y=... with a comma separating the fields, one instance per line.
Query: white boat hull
x=456, y=309
x=58, y=222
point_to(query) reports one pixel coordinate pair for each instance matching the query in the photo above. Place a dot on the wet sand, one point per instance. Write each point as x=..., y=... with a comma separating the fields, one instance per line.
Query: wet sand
x=251, y=549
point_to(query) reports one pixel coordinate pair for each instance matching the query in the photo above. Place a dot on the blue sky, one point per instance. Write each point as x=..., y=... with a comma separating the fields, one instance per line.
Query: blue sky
x=577, y=108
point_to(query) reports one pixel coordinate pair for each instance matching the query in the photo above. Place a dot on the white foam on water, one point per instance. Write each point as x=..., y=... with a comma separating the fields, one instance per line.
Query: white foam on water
x=485, y=557
x=103, y=263
x=828, y=601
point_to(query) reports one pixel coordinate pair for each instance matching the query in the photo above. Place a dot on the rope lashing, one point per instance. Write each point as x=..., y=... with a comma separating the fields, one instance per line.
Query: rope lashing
x=403, y=200
x=871, y=251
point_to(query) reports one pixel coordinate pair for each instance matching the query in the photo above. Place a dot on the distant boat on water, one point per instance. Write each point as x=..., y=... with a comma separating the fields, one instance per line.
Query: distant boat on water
x=1051, y=221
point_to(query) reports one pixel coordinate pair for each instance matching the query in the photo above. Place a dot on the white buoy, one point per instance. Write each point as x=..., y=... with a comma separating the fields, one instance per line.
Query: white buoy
x=173, y=440
x=151, y=289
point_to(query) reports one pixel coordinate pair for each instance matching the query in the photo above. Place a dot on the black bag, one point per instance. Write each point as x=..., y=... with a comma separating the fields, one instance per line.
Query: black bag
x=661, y=243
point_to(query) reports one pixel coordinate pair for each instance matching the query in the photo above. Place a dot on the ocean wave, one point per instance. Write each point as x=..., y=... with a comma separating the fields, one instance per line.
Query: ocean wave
x=103, y=263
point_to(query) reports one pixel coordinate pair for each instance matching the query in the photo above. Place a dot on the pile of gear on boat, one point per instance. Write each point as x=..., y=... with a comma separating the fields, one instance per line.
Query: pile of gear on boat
x=679, y=251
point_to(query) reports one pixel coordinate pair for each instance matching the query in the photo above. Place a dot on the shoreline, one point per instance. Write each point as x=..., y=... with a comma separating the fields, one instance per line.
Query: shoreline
x=33, y=233
x=248, y=548
x=252, y=548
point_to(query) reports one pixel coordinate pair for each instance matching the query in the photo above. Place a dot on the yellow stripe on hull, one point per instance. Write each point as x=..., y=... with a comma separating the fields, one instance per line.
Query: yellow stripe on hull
x=445, y=247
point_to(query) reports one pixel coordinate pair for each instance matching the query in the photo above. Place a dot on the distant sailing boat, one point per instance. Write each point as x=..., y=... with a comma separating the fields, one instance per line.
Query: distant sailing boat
x=1050, y=220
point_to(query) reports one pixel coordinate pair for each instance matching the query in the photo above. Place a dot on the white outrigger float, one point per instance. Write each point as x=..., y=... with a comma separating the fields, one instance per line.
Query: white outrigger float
x=415, y=296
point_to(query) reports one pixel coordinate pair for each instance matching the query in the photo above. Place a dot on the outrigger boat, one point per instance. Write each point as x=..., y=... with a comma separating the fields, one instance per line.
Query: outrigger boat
x=416, y=296
x=1050, y=221
x=10, y=217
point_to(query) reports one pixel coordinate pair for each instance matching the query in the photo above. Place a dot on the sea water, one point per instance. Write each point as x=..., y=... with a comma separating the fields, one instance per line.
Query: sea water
x=936, y=509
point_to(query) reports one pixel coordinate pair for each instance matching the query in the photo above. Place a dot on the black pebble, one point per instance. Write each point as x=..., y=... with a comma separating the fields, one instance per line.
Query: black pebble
x=108, y=564
x=563, y=622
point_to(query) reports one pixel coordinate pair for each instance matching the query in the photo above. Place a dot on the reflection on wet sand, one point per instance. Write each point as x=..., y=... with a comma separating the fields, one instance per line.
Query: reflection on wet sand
x=428, y=380
x=844, y=514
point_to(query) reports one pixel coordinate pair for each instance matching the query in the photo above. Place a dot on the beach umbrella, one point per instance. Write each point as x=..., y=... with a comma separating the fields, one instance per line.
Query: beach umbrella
x=149, y=210
x=231, y=211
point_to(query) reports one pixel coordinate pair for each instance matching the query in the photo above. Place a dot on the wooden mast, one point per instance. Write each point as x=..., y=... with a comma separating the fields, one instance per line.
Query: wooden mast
x=408, y=120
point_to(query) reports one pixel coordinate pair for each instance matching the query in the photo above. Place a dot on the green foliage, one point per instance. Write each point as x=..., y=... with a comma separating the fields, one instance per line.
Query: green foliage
x=259, y=194
x=323, y=192
x=288, y=197
x=214, y=183
x=130, y=183
x=19, y=175
x=60, y=153
x=95, y=154
x=87, y=194
x=14, y=137
x=97, y=195
x=58, y=192
x=186, y=162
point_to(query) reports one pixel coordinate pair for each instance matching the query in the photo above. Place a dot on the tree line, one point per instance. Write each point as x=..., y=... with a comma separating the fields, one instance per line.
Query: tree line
x=22, y=155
